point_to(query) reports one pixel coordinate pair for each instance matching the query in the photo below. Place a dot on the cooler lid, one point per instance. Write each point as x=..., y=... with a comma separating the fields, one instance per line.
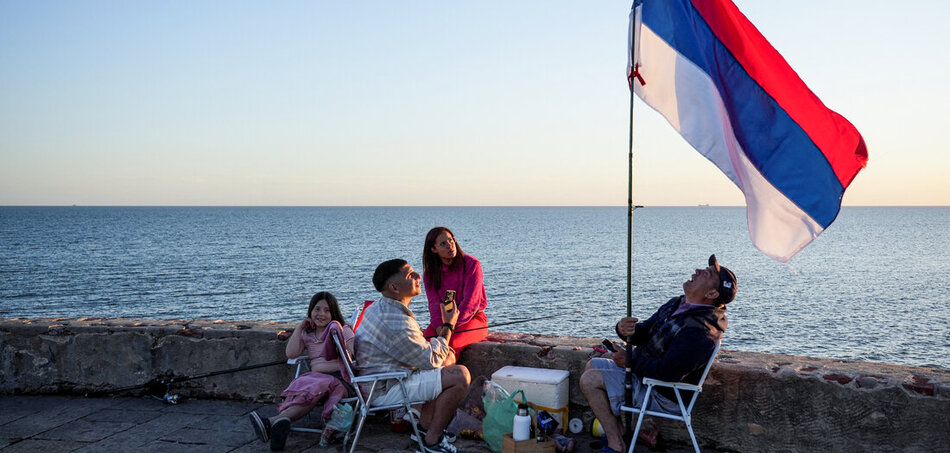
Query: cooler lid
x=528, y=374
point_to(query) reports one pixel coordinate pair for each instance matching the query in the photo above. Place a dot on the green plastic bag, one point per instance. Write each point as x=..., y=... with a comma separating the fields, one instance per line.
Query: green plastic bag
x=500, y=410
x=341, y=419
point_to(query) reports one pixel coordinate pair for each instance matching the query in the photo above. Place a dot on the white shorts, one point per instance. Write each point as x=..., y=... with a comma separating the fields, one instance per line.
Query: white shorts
x=425, y=385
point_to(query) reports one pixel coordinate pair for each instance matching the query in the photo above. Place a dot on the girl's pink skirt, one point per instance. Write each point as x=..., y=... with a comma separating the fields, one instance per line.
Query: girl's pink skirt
x=310, y=389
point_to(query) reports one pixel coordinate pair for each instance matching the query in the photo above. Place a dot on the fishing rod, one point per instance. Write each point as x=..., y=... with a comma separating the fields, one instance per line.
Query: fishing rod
x=165, y=382
x=513, y=322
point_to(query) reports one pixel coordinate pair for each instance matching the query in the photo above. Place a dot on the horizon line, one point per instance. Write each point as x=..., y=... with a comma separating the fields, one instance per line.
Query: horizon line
x=417, y=206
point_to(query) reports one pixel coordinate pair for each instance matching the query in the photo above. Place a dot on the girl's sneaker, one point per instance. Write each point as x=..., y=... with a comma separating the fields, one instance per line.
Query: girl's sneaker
x=279, y=433
x=261, y=426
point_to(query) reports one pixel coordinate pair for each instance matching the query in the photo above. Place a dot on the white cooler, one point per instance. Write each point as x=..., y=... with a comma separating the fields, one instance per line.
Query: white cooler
x=546, y=388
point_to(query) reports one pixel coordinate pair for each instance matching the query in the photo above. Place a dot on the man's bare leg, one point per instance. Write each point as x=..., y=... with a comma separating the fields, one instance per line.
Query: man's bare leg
x=455, y=381
x=425, y=414
x=592, y=385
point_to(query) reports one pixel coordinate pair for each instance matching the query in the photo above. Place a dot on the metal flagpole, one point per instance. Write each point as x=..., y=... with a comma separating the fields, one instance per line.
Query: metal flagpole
x=628, y=377
x=628, y=354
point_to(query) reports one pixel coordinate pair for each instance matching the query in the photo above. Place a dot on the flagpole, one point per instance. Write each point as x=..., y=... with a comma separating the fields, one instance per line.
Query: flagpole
x=628, y=353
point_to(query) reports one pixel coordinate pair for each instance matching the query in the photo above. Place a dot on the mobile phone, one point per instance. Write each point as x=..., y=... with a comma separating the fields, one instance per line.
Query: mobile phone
x=610, y=345
x=449, y=297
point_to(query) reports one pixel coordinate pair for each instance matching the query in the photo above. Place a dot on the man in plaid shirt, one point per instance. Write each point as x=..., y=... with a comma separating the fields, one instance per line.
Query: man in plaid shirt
x=390, y=339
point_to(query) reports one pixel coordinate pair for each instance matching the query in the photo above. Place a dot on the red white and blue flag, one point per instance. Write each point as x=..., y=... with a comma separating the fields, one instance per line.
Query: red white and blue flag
x=728, y=92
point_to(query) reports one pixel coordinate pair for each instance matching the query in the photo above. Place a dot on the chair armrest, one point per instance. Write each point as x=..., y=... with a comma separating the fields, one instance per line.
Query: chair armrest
x=380, y=376
x=294, y=360
x=675, y=385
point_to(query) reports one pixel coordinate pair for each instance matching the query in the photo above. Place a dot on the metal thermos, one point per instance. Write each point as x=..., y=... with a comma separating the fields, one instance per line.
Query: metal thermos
x=522, y=424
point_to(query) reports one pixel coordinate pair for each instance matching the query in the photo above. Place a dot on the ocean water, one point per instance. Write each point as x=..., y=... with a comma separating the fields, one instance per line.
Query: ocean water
x=873, y=287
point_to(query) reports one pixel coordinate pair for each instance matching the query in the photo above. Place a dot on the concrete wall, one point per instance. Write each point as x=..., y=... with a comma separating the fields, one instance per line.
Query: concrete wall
x=751, y=402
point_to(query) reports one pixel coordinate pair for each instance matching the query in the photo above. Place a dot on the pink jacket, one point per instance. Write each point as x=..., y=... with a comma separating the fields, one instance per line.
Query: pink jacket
x=466, y=279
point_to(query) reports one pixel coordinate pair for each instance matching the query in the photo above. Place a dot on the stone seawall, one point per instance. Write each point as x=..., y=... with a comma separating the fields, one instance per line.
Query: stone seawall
x=751, y=401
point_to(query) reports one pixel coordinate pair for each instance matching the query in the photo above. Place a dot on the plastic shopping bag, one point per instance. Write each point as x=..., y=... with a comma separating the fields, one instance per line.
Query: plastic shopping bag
x=500, y=410
x=468, y=418
x=341, y=419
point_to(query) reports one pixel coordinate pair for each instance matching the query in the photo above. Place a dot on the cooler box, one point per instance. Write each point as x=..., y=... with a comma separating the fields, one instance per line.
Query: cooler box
x=547, y=389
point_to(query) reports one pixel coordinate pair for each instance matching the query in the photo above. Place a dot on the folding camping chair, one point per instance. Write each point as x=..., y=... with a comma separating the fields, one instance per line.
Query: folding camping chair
x=364, y=402
x=302, y=364
x=685, y=410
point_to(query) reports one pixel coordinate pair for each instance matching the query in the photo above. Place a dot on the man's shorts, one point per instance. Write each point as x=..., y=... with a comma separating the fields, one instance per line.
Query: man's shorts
x=425, y=385
x=613, y=382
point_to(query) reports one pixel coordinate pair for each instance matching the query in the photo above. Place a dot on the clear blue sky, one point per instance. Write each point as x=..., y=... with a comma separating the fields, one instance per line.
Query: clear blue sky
x=421, y=103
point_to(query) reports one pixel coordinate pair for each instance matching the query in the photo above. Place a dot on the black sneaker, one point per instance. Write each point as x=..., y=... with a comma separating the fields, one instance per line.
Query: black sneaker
x=442, y=446
x=279, y=432
x=261, y=426
x=422, y=431
x=449, y=437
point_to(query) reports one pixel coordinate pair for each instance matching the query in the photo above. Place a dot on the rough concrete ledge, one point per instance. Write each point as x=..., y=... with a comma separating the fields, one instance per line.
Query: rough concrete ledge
x=87, y=355
x=751, y=401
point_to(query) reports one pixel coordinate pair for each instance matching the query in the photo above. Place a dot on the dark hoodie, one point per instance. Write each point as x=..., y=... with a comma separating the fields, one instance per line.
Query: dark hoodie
x=676, y=348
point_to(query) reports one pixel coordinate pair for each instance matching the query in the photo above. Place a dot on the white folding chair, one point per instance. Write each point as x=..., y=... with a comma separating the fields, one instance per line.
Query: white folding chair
x=302, y=364
x=364, y=402
x=685, y=410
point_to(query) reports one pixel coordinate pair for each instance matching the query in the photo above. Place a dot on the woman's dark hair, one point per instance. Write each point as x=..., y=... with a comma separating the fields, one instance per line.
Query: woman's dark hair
x=431, y=262
x=332, y=304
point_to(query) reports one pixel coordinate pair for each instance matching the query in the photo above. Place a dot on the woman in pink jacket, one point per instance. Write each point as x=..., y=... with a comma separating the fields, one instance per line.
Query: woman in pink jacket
x=448, y=268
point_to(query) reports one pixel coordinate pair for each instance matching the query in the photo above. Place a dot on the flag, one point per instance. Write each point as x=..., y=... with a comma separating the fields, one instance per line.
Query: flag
x=704, y=67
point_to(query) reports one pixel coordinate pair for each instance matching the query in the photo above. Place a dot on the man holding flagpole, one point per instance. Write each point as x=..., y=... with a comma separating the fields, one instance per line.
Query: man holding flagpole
x=673, y=345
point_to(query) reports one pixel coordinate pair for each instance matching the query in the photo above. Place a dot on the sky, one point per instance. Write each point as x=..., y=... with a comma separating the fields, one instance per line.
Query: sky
x=423, y=103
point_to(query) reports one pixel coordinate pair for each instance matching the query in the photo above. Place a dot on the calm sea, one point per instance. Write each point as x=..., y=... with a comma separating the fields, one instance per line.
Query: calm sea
x=873, y=287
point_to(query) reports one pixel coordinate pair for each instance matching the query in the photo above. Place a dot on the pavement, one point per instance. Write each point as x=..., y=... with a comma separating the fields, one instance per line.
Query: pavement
x=51, y=424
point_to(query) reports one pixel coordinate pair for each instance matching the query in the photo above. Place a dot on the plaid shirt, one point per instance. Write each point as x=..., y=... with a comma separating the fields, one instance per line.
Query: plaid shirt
x=389, y=339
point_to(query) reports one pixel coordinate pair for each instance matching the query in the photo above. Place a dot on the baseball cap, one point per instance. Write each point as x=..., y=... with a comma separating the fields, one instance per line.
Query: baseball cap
x=727, y=282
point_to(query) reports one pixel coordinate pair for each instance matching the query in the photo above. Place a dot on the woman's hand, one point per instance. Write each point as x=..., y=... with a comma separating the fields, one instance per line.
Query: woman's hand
x=307, y=324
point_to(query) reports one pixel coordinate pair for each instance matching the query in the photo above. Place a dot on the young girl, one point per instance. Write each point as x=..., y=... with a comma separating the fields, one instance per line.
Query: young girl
x=323, y=381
